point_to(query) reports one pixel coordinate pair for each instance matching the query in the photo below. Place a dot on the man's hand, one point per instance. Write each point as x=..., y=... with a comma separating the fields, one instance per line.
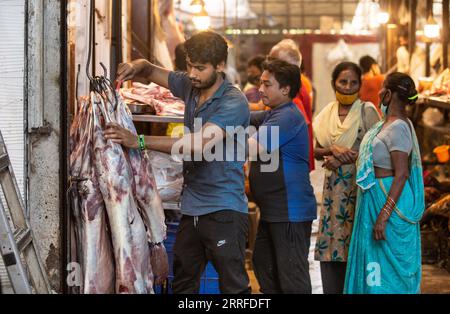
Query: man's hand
x=119, y=135
x=126, y=72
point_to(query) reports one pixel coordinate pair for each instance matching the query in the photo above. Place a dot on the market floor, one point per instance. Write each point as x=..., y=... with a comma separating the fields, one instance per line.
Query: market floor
x=435, y=280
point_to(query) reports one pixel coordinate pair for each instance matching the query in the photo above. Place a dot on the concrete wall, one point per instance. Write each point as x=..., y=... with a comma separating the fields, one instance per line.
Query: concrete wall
x=12, y=55
x=44, y=107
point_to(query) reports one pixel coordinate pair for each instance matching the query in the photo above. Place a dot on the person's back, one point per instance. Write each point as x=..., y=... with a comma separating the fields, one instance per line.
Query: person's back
x=372, y=81
x=370, y=89
x=306, y=82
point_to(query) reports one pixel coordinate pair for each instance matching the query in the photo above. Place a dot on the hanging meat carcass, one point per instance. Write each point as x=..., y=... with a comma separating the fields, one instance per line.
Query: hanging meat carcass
x=119, y=178
x=92, y=238
x=147, y=197
x=133, y=272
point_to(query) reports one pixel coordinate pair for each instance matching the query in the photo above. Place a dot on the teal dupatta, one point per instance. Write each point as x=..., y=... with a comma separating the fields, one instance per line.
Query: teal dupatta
x=394, y=265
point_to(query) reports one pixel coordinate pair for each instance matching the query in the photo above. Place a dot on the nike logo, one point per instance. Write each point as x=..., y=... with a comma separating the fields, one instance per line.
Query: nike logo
x=221, y=243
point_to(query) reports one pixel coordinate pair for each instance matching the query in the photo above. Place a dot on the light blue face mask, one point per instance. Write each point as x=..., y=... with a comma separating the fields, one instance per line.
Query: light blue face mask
x=384, y=108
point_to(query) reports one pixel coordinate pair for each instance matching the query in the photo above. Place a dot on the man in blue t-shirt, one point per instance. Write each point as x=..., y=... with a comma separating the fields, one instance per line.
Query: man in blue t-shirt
x=280, y=184
x=214, y=225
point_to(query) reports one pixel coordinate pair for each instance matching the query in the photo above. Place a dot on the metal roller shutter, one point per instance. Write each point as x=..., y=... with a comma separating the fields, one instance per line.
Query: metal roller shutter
x=12, y=56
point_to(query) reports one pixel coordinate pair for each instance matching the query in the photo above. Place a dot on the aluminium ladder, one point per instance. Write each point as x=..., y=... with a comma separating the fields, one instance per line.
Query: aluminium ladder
x=19, y=245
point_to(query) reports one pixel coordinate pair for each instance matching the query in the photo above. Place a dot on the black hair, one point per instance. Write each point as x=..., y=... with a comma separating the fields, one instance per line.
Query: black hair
x=365, y=63
x=180, y=58
x=403, y=85
x=286, y=74
x=207, y=47
x=257, y=61
x=344, y=66
x=403, y=32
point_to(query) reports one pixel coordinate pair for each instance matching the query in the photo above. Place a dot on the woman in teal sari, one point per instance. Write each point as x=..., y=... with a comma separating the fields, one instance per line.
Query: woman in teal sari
x=385, y=250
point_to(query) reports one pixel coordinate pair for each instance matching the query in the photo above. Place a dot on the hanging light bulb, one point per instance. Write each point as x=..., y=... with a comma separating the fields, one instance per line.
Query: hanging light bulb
x=382, y=17
x=197, y=6
x=431, y=30
x=202, y=21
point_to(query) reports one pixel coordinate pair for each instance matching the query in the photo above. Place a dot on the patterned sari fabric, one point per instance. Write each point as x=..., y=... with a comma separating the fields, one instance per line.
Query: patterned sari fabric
x=394, y=265
x=336, y=216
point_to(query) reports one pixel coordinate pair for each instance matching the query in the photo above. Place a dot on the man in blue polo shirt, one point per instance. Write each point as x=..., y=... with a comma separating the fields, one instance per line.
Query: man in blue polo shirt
x=284, y=195
x=214, y=225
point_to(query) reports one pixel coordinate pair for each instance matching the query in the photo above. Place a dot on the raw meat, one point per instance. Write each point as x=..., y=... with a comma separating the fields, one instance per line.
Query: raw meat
x=92, y=238
x=133, y=271
x=115, y=204
x=156, y=96
x=148, y=199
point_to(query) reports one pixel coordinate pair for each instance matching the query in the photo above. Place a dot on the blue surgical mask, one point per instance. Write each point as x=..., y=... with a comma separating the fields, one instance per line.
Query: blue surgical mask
x=384, y=108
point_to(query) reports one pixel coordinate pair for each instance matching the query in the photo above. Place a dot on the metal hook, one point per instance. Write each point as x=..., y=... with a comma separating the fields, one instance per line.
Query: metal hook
x=109, y=85
x=105, y=71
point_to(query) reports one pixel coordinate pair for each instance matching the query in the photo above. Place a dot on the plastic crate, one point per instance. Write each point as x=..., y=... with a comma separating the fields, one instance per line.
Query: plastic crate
x=209, y=281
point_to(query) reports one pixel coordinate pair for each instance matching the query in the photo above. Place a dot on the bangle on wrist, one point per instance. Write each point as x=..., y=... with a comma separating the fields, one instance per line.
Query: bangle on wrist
x=392, y=201
x=387, y=211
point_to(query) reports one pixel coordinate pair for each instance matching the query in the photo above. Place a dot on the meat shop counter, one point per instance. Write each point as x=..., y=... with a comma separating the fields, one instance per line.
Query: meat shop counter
x=157, y=119
x=442, y=102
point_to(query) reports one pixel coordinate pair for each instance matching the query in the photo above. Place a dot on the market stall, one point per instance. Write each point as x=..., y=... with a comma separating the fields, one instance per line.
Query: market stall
x=105, y=216
x=92, y=219
x=432, y=122
x=167, y=24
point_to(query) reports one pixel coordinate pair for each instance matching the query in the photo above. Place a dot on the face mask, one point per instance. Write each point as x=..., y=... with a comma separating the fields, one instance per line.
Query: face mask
x=346, y=100
x=384, y=108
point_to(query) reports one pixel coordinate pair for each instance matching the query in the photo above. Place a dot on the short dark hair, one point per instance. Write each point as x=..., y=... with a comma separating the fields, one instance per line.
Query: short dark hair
x=403, y=85
x=180, y=58
x=344, y=66
x=286, y=74
x=207, y=47
x=366, y=63
x=257, y=61
x=403, y=32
